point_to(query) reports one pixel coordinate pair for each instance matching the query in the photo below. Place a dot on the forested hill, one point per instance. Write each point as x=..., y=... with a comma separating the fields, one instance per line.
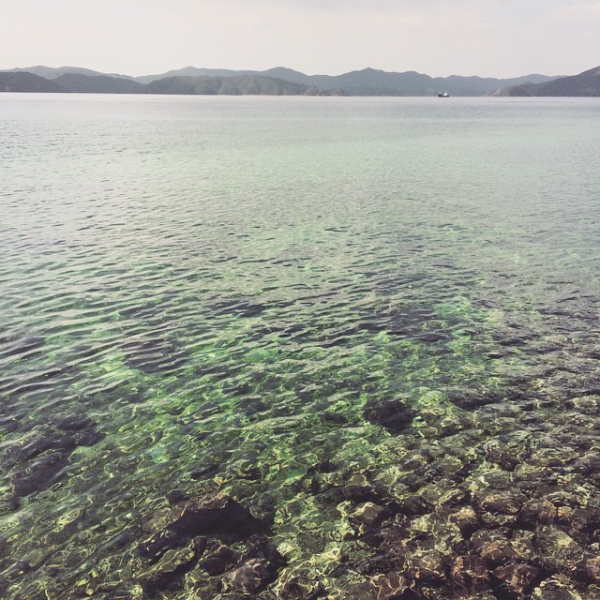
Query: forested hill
x=283, y=81
x=584, y=84
x=199, y=85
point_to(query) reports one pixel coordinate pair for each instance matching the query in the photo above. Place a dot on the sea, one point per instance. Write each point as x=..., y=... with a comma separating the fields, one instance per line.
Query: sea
x=296, y=348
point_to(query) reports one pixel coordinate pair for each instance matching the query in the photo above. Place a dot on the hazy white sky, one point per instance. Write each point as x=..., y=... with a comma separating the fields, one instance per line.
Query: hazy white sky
x=492, y=38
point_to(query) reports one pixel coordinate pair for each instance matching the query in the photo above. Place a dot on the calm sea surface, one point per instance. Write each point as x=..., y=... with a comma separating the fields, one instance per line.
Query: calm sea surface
x=346, y=339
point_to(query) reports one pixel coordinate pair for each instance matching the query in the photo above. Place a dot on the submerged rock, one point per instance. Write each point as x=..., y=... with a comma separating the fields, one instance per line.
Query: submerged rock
x=158, y=545
x=39, y=474
x=359, y=489
x=218, y=516
x=171, y=566
x=590, y=569
x=427, y=566
x=215, y=515
x=555, y=589
x=237, y=565
x=370, y=514
x=38, y=464
x=415, y=505
x=538, y=512
x=556, y=548
x=359, y=591
x=578, y=522
x=502, y=457
x=251, y=576
x=299, y=585
x=217, y=558
x=388, y=586
x=392, y=414
x=507, y=503
x=471, y=573
x=466, y=520
x=493, y=546
x=517, y=578
x=468, y=399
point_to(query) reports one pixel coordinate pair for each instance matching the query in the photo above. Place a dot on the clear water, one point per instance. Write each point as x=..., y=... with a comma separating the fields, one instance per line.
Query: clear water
x=207, y=294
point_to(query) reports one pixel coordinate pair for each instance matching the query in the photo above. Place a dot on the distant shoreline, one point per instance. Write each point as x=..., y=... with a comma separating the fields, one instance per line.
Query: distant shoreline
x=286, y=82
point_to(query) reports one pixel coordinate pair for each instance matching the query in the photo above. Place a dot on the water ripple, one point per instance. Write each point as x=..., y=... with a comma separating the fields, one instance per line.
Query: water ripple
x=305, y=316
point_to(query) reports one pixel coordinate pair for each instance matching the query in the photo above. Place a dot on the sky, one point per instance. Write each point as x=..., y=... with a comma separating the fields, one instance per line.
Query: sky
x=489, y=38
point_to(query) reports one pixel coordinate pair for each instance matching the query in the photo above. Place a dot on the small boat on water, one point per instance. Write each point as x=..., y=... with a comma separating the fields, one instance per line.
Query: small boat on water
x=443, y=95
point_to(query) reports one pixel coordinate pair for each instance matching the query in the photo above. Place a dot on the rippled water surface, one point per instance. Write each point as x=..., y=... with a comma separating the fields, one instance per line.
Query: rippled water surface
x=365, y=330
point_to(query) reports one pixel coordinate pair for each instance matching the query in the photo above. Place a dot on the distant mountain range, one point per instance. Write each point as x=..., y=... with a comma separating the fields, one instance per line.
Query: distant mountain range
x=584, y=84
x=234, y=85
x=283, y=81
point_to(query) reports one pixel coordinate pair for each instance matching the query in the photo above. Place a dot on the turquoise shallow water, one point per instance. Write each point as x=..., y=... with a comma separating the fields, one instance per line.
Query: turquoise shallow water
x=307, y=305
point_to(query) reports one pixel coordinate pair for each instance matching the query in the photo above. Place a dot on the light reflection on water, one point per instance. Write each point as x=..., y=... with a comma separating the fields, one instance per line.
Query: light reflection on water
x=222, y=294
